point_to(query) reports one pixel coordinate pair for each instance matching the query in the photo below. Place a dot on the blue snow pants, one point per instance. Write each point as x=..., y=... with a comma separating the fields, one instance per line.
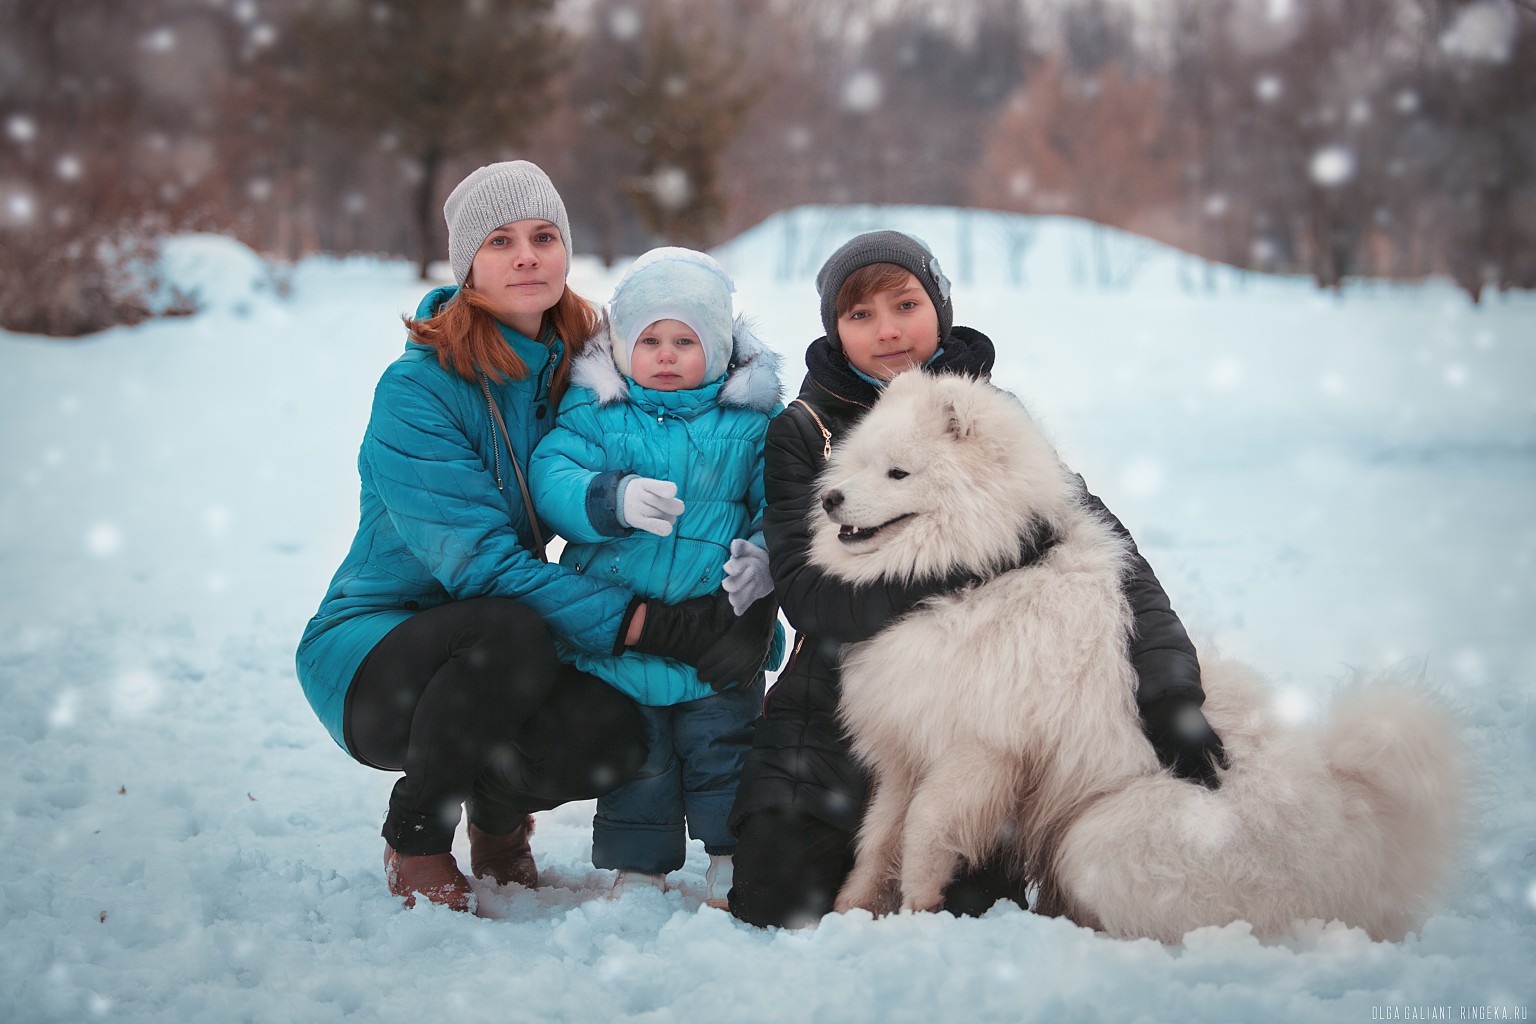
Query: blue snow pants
x=690, y=776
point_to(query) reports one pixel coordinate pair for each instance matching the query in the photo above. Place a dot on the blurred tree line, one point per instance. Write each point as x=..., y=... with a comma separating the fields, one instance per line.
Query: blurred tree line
x=1392, y=138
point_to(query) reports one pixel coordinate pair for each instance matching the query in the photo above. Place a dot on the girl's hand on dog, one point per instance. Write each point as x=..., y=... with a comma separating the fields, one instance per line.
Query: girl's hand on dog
x=1185, y=742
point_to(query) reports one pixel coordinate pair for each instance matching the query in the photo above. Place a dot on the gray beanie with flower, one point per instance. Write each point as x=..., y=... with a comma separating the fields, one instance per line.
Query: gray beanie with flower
x=494, y=195
x=906, y=251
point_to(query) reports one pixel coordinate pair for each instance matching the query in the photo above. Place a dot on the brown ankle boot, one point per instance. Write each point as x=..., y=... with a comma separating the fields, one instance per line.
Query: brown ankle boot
x=434, y=876
x=504, y=859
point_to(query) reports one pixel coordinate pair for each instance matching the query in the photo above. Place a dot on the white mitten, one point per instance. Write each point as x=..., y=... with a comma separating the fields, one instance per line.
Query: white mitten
x=746, y=575
x=649, y=505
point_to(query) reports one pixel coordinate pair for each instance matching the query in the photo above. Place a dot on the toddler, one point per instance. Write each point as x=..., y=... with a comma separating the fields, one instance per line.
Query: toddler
x=653, y=474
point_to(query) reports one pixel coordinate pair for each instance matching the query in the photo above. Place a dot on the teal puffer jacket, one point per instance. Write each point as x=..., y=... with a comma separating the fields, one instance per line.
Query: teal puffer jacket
x=434, y=526
x=708, y=441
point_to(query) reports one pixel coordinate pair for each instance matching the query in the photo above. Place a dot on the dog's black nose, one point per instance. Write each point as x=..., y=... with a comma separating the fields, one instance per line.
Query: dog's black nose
x=831, y=500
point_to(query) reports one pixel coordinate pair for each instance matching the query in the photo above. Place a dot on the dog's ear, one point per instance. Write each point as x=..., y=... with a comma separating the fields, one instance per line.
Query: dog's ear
x=959, y=414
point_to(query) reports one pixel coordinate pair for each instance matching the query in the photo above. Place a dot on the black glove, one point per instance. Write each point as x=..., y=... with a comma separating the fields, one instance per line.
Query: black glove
x=685, y=631
x=1185, y=742
x=738, y=656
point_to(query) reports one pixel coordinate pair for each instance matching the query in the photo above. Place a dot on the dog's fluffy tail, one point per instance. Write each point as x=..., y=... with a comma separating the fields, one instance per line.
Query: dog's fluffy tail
x=1400, y=752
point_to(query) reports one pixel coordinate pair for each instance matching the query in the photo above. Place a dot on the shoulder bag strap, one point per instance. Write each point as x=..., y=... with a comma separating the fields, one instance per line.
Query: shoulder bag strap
x=522, y=483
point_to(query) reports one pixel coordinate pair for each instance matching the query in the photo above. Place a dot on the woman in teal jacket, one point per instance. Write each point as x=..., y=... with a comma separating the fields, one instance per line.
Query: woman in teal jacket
x=654, y=476
x=432, y=652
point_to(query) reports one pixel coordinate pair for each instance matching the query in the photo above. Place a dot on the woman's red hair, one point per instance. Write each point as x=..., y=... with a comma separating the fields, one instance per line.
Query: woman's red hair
x=468, y=342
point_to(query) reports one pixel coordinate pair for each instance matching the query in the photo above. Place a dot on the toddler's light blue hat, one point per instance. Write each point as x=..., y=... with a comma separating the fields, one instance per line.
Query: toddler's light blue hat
x=672, y=283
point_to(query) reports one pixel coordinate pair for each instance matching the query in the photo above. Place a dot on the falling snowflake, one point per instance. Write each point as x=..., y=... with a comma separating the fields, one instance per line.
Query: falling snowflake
x=671, y=187
x=217, y=518
x=1470, y=665
x=103, y=539
x=1225, y=375
x=161, y=40
x=1332, y=166
x=69, y=167
x=64, y=709
x=1264, y=251
x=136, y=692
x=21, y=128
x=19, y=208
x=1483, y=31
x=1269, y=88
x=862, y=92
x=1143, y=478
x=625, y=23
x=1294, y=707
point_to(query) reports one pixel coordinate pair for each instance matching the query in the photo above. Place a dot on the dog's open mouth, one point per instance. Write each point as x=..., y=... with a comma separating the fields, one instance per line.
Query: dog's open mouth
x=858, y=535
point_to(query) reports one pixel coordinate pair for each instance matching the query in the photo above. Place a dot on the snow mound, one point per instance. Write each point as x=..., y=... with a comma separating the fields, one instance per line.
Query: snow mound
x=211, y=273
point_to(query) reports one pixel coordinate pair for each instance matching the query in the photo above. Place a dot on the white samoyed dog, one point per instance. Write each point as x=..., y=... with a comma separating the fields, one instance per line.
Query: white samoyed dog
x=1002, y=717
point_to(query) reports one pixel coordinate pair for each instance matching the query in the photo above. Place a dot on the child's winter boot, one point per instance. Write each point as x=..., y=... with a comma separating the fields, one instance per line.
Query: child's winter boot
x=434, y=876
x=717, y=880
x=635, y=881
x=506, y=860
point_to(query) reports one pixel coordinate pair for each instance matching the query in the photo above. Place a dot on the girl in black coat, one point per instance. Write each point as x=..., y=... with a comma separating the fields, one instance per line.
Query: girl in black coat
x=885, y=305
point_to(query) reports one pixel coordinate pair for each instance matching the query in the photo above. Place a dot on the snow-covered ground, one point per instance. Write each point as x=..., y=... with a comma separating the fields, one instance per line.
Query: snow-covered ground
x=1324, y=484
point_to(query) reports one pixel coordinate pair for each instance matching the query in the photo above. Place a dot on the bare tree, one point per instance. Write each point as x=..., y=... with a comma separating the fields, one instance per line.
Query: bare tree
x=1088, y=144
x=680, y=105
x=440, y=79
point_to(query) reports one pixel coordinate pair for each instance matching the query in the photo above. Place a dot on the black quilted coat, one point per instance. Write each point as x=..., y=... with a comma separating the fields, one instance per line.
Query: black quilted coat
x=800, y=759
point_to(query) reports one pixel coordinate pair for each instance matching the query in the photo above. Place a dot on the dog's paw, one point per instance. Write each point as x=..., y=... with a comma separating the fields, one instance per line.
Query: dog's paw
x=878, y=896
x=857, y=898
x=922, y=900
x=923, y=880
x=847, y=903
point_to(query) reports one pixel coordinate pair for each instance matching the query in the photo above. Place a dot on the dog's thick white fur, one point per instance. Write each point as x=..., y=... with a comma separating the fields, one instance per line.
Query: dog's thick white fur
x=1002, y=718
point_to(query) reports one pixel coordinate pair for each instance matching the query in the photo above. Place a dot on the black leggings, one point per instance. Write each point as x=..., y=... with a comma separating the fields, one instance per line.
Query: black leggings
x=789, y=867
x=470, y=702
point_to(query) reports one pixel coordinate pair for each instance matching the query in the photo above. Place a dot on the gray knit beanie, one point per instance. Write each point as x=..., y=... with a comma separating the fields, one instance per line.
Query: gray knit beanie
x=906, y=251
x=494, y=195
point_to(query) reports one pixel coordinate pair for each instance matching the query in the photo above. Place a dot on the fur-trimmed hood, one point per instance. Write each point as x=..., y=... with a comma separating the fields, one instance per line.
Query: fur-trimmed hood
x=751, y=381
